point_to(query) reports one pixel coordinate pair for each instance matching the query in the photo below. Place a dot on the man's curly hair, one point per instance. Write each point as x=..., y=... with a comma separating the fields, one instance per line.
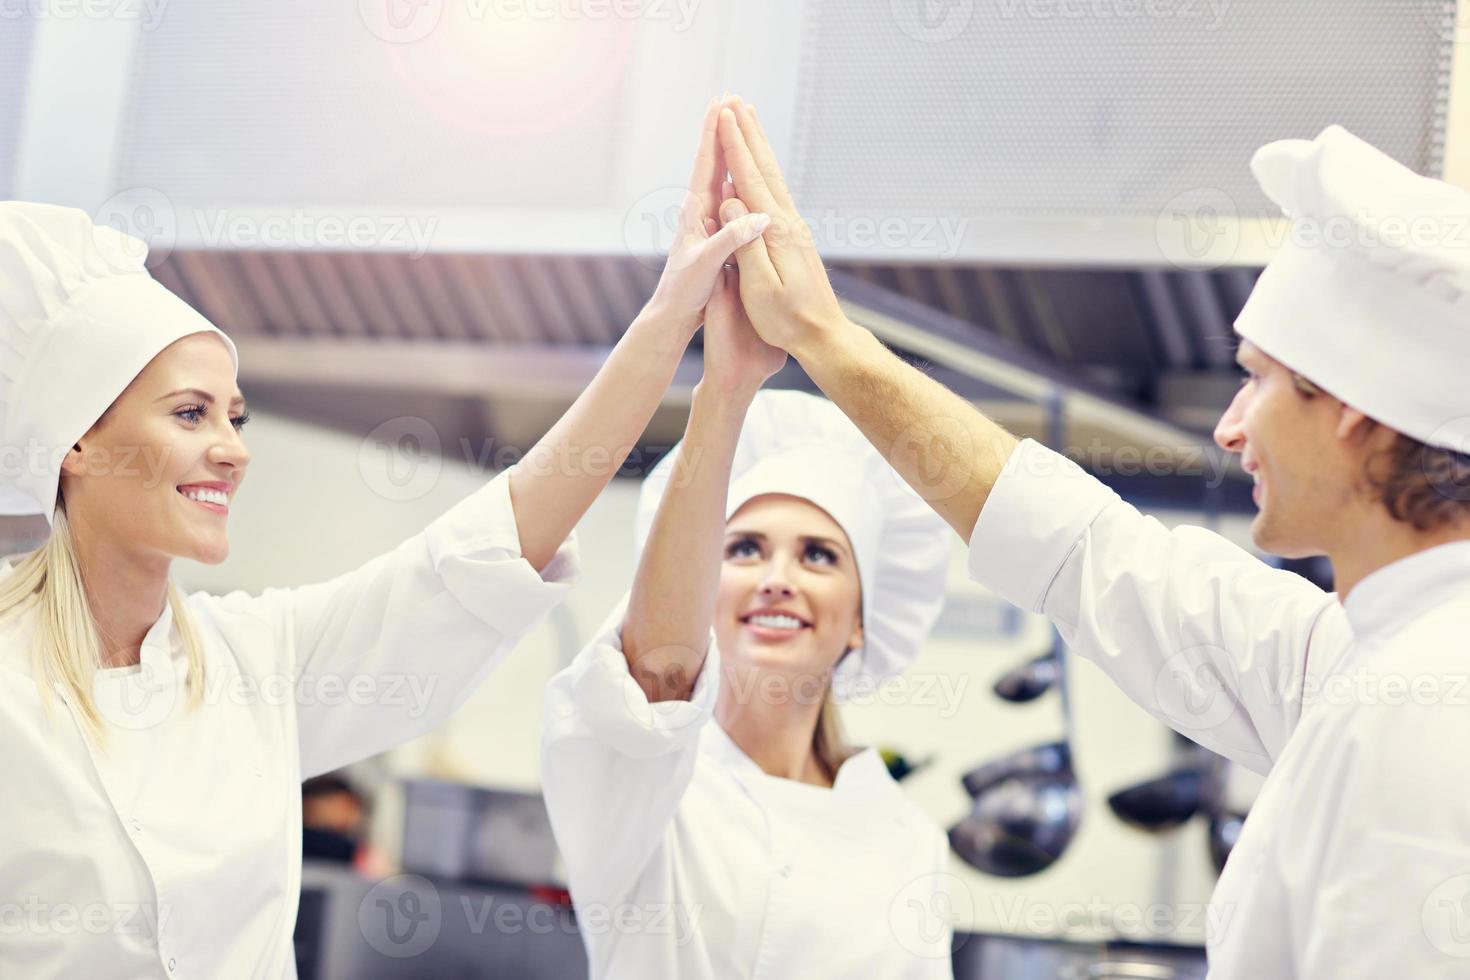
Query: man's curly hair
x=1423, y=485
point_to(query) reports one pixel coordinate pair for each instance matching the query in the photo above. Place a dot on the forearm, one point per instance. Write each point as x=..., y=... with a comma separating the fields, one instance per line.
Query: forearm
x=563, y=474
x=666, y=629
x=939, y=443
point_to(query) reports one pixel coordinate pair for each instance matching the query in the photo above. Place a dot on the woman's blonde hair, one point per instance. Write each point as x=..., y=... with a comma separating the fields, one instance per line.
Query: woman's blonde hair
x=829, y=744
x=66, y=648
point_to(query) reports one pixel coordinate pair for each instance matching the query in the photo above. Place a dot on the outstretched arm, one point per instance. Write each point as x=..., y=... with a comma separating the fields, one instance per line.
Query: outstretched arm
x=946, y=449
x=554, y=485
x=1205, y=636
x=666, y=631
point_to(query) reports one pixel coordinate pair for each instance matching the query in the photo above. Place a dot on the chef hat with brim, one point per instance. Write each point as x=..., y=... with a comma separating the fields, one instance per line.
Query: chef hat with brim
x=803, y=446
x=1369, y=295
x=80, y=317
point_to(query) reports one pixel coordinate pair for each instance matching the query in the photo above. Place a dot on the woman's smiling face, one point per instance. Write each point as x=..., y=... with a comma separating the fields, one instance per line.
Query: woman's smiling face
x=156, y=474
x=790, y=600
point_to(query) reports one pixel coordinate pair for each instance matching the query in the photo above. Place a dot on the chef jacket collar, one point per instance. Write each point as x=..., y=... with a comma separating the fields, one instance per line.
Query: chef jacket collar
x=155, y=657
x=861, y=773
x=1405, y=589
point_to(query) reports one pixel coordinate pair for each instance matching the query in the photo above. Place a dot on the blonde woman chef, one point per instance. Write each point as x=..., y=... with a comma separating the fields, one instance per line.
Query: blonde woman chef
x=691, y=760
x=154, y=749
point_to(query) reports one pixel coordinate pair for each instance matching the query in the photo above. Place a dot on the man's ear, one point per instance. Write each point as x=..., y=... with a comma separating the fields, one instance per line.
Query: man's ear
x=1353, y=426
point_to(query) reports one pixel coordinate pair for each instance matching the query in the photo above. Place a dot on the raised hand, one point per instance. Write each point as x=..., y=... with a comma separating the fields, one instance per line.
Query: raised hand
x=701, y=246
x=783, y=283
x=736, y=359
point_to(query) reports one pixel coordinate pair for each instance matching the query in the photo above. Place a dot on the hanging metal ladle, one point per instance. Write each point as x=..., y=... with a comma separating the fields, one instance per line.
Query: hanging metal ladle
x=1026, y=806
x=1030, y=680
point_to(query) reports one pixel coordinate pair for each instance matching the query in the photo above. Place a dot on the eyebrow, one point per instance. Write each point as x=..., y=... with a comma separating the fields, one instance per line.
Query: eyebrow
x=203, y=396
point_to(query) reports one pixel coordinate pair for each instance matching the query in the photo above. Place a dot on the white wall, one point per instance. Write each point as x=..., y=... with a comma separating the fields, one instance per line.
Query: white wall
x=308, y=511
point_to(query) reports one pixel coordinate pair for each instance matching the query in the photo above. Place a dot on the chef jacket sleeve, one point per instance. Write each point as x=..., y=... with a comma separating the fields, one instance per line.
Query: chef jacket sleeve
x=1376, y=847
x=388, y=651
x=1201, y=634
x=614, y=765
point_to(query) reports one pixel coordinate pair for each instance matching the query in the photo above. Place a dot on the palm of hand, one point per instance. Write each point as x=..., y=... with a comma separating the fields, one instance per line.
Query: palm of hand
x=735, y=356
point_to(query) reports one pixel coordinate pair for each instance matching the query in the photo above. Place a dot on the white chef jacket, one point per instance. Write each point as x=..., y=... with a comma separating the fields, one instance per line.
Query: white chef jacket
x=1355, y=860
x=686, y=860
x=175, y=851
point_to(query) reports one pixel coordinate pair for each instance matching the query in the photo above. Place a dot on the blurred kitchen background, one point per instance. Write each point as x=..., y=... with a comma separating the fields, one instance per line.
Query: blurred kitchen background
x=425, y=222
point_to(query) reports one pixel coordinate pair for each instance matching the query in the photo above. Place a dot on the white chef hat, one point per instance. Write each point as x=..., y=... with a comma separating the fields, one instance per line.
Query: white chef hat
x=80, y=317
x=1369, y=297
x=803, y=446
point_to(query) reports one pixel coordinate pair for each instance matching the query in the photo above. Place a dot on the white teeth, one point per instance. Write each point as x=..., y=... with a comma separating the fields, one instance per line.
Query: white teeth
x=776, y=622
x=208, y=496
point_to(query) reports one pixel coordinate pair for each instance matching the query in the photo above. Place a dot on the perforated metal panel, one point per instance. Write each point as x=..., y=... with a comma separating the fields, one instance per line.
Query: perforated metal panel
x=1101, y=107
x=15, y=51
x=276, y=102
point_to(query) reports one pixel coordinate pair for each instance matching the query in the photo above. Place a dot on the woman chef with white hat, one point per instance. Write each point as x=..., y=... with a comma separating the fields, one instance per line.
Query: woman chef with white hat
x=691, y=759
x=155, y=743
x=1354, y=419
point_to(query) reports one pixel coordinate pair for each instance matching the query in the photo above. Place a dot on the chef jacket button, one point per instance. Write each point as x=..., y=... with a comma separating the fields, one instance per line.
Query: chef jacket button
x=171, y=964
x=136, y=825
x=785, y=871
